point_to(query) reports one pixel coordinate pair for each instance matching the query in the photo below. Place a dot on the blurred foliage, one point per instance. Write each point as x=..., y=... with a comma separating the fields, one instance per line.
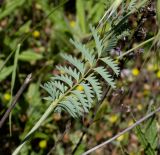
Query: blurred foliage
x=148, y=137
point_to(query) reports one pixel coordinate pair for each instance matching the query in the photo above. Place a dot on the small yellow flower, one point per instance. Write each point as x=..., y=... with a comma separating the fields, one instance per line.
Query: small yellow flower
x=62, y=72
x=158, y=74
x=113, y=118
x=135, y=72
x=36, y=34
x=120, y=138
x=80, y=88
x=7, y=96
x=43, y=144
x=139, y=107
x=72, y=23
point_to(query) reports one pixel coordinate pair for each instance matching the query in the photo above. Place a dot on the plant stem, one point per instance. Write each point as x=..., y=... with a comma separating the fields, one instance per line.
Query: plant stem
x=129, y=51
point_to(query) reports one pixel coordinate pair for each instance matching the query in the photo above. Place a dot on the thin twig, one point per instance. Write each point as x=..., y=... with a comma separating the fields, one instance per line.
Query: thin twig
x=79, y=142
x=122, y=132
x=20, y=91
x=68, y=126
x=131, y=50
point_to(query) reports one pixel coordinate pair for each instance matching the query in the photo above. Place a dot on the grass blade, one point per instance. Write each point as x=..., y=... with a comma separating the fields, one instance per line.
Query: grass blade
x=13, y=80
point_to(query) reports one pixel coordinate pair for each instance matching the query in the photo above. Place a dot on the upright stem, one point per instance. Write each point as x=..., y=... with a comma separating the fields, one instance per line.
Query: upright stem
x=129, y=51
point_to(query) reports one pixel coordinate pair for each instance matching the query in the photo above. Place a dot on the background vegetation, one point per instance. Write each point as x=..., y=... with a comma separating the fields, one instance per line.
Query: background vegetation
x=43, y=29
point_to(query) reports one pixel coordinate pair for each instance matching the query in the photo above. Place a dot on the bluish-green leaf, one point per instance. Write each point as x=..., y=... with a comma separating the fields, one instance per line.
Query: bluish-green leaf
x=110, y=62
x=69, y=107
x=95, y=85
x=85, y=52
x=110, y=44
x=98, y=41
x=59, y=85
x=89, y=93
x=81, y=97
x=68, y=70
x=65, y=78
x=77, y=105
x=105, y=75
x=51, y=89
x=75, y=62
